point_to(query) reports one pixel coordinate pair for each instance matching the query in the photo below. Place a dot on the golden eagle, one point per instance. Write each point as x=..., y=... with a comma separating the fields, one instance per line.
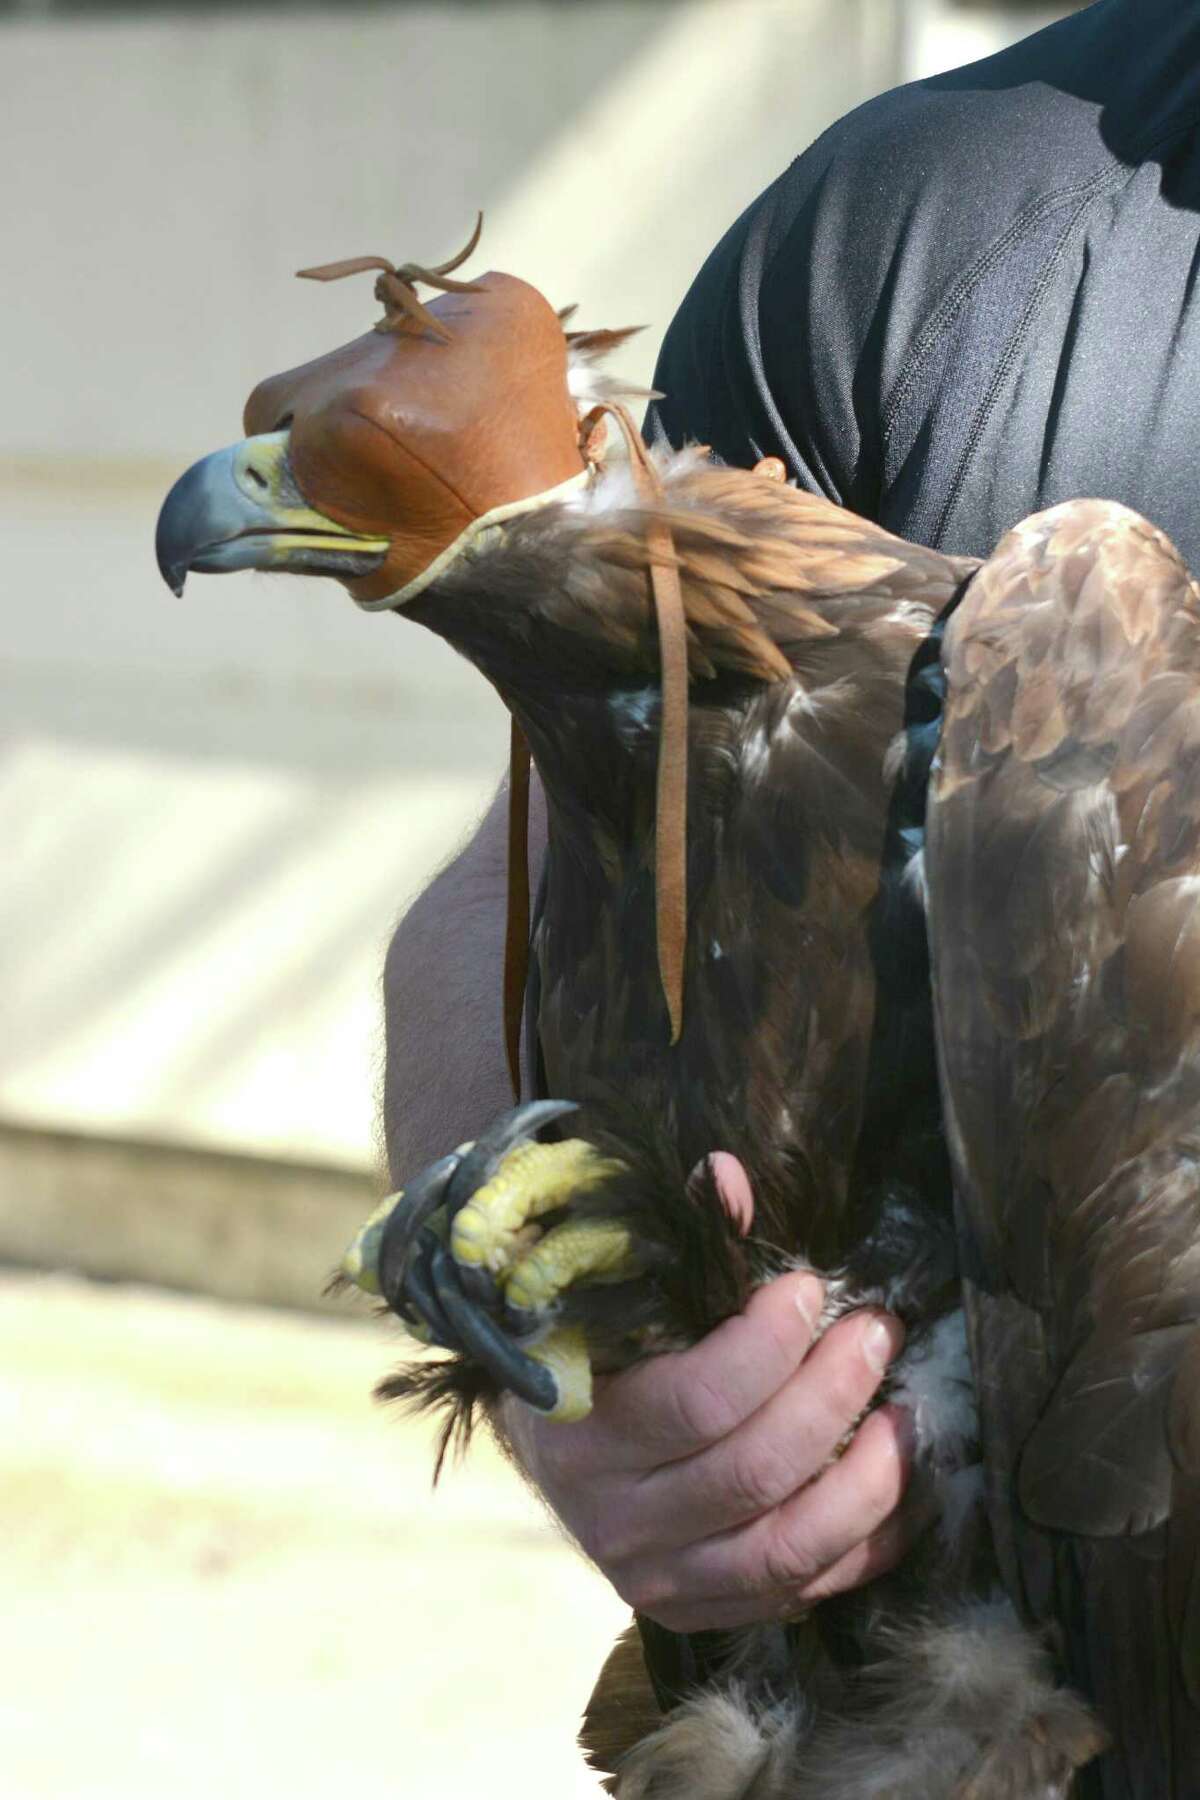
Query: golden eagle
x=877, y=748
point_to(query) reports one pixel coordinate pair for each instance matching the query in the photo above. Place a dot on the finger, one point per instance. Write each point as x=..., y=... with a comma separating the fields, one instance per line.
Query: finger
x=672, y=1406
x=873, y=1557
x=779, y=1448
x=791, y=1548
x=733, y=1185
x=878, y=1553
x=759, y=1570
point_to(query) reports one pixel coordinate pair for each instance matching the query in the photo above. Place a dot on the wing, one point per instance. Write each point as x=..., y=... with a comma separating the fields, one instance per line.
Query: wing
x=1063, y=869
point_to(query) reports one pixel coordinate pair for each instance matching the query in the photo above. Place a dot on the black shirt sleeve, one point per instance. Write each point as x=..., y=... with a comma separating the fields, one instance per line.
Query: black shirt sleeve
x=928, y=315
x=760, y=358
x=807, y=320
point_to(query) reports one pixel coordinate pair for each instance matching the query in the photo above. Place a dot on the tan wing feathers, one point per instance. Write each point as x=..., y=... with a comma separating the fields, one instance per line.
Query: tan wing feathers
x=763, y=568
x=1063, y=863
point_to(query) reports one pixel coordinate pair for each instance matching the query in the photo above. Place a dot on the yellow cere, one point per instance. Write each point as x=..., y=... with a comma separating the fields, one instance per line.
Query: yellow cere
x=260, y=471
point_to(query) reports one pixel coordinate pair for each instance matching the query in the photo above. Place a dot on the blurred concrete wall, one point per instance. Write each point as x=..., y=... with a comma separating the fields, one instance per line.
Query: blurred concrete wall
x=213, y=811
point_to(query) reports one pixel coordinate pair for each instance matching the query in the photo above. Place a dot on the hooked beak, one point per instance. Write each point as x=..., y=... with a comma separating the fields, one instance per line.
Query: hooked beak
x=240, y=508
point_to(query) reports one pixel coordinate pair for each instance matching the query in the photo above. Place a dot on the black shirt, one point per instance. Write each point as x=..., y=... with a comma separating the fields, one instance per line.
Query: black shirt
x=976, y=295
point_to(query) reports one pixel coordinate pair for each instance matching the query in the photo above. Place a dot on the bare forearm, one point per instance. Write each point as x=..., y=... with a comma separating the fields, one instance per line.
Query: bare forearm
x=445, y=1074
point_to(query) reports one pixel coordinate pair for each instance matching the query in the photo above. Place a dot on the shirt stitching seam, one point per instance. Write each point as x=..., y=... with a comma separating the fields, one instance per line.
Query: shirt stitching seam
x=1001, y=370
x=957, y=299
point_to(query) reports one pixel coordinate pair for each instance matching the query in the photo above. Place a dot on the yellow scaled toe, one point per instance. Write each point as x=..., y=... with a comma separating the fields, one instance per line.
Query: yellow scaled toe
x=591, y=1250
x=564, y=1353
x=360, y=1264
x=533, y=1179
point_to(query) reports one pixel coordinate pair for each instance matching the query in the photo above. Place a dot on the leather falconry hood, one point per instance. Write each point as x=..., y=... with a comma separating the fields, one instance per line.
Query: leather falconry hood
x=443, y=420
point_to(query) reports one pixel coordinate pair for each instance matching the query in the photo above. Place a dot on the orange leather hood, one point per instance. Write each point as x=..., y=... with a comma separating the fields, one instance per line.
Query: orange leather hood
x=400, y=435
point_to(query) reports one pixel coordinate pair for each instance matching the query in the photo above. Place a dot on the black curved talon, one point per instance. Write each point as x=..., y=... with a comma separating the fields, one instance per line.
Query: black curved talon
x=483, y=1339
x=398, y=1244
x=482, y=1160
x=478, y=1166
x=460, y=1307
x=423, y=1306
x=479, y=1285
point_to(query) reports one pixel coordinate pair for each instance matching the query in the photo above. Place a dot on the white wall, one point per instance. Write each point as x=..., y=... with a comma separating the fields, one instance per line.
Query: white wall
x=938, y=35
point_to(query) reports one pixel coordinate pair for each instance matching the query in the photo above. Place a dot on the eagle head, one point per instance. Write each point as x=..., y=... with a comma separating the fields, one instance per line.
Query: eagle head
x=379, y=462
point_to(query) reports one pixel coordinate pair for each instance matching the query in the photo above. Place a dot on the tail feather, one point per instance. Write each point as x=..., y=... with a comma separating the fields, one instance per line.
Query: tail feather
x=622, y=1709
x=457, y=1393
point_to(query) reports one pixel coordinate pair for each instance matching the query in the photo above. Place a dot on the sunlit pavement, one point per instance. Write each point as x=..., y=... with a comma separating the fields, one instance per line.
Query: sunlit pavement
x=223, y=1572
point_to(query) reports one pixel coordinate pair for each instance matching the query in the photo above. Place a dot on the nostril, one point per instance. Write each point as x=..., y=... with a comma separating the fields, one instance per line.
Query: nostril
x=260, y=481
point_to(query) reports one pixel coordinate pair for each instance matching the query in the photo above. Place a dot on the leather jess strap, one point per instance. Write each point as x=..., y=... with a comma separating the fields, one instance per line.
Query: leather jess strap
x=516, y=929
x=396, y=288
x=670, y=823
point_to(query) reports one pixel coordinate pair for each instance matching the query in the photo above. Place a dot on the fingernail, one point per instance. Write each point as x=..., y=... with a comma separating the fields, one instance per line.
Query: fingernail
x=882, y=1341
x=810, y=1298
x=733, y=1185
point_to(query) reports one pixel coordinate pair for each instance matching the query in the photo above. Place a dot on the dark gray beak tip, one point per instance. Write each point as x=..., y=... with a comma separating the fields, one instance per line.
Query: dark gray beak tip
x=174, y=537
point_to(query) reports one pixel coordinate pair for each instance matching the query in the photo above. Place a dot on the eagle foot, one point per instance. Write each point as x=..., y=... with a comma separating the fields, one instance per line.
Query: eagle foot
x=479, y=1251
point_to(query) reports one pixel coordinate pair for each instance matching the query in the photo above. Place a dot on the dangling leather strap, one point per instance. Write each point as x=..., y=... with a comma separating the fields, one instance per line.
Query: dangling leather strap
x=516, y=937
x=670, y=822
x=670, y=814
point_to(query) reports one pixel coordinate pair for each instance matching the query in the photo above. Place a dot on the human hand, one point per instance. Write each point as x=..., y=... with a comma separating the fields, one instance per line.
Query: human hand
x=701, y=1483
